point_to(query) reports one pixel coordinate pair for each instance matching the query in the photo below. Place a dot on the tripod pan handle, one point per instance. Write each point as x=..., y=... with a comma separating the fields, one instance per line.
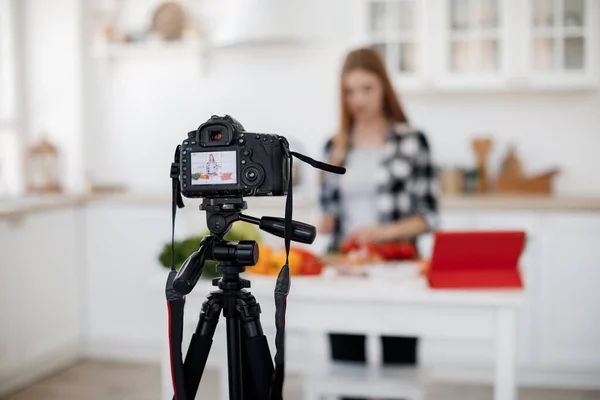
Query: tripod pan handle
x=301, y=232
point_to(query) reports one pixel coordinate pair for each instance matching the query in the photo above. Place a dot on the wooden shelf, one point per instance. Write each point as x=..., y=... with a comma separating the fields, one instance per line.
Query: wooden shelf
x=189, y=48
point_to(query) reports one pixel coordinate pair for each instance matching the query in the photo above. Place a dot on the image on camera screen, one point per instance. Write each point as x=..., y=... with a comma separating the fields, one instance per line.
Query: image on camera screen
x=214, y=168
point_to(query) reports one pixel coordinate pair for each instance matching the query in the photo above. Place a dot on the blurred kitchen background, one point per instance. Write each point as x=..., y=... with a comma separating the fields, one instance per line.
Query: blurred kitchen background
x=96, y=94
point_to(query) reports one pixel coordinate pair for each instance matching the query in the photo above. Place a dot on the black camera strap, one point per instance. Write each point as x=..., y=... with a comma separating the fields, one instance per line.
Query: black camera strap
x=318, y=165
x=175, y=301
x=283, y=284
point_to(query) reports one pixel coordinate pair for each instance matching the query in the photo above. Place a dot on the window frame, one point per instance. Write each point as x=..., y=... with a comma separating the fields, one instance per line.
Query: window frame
x=560, y=77
x=417, y=36
x=12, y=124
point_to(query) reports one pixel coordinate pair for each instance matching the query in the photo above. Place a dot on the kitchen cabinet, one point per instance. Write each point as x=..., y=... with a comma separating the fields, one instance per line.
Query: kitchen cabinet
x=41, y=271
x=562, y=40
x=122, y=245
x=397, y=30
x=9, y=264
x=486, y=44
x=475, y=43
x=530, y=265
x=478, y=351
x=558, y=324
x=568, y=307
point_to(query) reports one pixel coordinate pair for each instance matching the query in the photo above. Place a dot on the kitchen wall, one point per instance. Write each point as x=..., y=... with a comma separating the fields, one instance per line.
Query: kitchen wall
x=138, y=106
x=53, y=56
x=154, y=102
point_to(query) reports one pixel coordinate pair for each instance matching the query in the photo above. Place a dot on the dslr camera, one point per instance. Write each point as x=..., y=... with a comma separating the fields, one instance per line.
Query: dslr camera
x=221, y=159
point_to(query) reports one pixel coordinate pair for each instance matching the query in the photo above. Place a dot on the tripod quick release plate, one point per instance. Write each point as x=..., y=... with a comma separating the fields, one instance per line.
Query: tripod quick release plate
x=222, y=212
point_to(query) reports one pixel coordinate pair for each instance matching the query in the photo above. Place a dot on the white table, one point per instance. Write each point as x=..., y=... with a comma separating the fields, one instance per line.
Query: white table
x=394, y=301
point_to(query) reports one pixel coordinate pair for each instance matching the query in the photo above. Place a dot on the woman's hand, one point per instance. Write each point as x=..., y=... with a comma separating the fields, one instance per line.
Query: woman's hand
x=370, y=234
x=400, y=230
x=326, y=224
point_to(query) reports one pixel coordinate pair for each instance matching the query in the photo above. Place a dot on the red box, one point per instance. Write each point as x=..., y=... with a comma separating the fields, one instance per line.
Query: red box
x=485, y=259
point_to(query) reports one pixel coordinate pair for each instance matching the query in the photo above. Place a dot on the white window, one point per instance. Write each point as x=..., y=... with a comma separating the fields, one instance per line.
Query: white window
x=475, y=36
x=563, y=41
x=475, y=43
x=9, y=121
x=396, y=29
x=487, y=44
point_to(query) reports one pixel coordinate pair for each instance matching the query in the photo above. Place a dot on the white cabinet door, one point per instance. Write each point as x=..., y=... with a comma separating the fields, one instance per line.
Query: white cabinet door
x=530, y=266
x=474, y=43
x=49, y=278
x=397, y=30
x=123, y=242
x=561, y=44
x=570, y=283
x=40, y=282
x=10, y=237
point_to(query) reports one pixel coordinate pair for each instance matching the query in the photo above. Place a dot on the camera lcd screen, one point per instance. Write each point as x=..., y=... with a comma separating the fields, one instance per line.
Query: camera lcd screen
x=214, y=168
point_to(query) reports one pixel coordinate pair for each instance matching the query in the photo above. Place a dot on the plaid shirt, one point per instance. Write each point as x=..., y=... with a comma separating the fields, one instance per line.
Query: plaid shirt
x=407, y=182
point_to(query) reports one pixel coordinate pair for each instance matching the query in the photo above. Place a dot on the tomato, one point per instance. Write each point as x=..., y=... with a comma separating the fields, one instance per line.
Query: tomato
x=393, y=251
x=349, y=245
x=310, y=264
x=312, y=268
x=305, y=254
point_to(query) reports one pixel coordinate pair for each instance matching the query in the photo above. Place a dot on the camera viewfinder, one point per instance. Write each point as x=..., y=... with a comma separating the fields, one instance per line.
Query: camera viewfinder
x=216, y=136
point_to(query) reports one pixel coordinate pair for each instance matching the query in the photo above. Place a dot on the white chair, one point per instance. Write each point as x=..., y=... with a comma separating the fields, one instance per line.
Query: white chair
x=326, y=379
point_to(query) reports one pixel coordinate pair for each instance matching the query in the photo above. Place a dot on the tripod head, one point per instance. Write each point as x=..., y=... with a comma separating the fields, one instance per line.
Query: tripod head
x=233, y=257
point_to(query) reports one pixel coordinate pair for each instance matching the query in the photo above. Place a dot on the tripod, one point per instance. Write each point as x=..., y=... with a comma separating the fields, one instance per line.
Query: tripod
x=249, y=363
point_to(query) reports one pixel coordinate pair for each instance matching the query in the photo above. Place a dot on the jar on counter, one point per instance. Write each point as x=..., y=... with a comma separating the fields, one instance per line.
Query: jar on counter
x=471, y=180
x=452, y=181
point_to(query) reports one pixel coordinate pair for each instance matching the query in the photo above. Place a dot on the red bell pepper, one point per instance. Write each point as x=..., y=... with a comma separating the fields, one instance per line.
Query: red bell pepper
x=386, y=251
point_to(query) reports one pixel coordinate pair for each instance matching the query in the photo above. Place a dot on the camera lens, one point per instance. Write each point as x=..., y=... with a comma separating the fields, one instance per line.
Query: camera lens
x=216, y=136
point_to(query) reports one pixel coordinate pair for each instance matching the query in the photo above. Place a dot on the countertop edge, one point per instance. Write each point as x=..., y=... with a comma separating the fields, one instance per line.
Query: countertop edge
x=15, y=208
x=311, y=289
x=524, y=203
x=32, y=206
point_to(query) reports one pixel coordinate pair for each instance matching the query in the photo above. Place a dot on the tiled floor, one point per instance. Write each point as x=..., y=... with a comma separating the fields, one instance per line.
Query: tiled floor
x=95, y=380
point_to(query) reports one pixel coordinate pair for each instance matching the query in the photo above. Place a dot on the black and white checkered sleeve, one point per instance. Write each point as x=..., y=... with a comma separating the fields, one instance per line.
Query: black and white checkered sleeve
x=425, y=185
x=329, y=191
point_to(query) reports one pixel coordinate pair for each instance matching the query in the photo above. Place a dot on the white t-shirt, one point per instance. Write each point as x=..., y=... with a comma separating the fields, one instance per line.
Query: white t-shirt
x=358, y=189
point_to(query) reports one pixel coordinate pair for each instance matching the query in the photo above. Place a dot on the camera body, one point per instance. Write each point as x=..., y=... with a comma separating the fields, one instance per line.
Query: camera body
x=221, y=159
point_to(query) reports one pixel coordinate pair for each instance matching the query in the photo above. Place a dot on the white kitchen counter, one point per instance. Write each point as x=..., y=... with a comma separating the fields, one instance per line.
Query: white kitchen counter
x=14, y=207
x=385, y=284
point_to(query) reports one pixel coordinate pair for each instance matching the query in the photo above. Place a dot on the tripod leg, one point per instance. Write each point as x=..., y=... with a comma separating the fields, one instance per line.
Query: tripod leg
x=234, y=356
x=257, y=353
x=201, y=342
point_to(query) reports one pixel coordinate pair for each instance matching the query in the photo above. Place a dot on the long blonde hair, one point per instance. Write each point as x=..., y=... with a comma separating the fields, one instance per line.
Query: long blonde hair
x=368, y=60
